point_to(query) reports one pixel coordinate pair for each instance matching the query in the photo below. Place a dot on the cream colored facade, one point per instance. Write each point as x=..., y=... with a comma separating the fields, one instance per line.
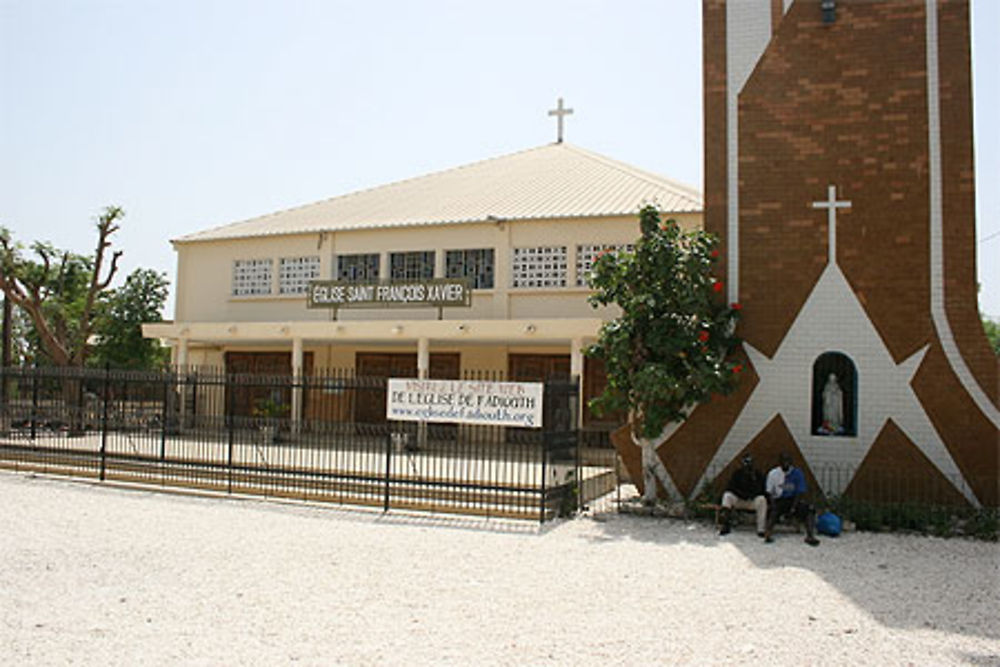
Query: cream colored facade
x=503, y=320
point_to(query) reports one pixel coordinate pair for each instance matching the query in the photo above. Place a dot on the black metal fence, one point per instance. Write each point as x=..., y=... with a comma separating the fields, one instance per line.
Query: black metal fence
x=238, y=433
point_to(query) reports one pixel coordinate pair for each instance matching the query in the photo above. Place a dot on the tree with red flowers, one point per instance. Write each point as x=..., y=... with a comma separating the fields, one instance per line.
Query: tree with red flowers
x=671, y=348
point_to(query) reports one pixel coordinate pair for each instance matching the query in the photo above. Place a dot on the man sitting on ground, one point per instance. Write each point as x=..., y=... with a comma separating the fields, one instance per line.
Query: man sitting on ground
x=786, y=489
x=745, y=491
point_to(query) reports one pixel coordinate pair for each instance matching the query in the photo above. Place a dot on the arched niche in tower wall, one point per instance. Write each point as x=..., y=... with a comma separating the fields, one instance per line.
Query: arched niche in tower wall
x=834, y=396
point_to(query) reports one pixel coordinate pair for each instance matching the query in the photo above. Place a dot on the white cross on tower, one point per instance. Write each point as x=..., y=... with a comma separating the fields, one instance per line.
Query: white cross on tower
x=559, y=112
x=831, y=205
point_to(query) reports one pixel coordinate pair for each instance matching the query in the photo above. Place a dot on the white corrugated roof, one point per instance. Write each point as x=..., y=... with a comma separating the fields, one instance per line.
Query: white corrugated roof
x=552, y=181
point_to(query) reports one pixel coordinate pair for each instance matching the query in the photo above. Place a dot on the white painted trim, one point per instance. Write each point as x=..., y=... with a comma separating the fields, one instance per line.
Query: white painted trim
x=748, y=32
x=938, y=313
x=527, y=331
x=733, y=199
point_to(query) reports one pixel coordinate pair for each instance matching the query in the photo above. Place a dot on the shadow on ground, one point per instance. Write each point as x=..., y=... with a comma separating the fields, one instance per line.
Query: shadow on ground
x=903, y=581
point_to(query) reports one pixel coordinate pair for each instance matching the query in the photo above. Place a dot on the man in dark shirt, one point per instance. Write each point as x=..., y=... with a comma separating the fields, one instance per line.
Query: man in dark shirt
x=745, y=491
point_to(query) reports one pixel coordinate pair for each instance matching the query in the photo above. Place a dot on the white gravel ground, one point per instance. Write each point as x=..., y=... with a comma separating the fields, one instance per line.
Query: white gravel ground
x=97, y=575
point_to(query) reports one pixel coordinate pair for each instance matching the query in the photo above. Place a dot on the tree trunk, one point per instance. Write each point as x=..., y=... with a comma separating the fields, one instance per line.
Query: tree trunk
x=653, y=469
x=649, y=462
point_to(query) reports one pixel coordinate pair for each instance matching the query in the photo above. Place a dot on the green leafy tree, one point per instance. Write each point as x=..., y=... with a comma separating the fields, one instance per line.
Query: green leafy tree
x=118, y=331
x=992, y=329
x=671, y=348
x=59, y=291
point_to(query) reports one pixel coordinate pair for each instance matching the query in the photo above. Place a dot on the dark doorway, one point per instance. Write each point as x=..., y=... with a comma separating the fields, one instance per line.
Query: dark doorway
x=275, y=383
x=378, y=367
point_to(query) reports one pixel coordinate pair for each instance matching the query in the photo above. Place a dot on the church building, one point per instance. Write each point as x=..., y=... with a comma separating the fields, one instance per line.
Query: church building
x=839, y=176
x=477, y=269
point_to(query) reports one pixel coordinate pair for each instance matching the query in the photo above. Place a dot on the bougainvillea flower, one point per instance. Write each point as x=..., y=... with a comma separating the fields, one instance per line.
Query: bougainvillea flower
x=703, y=336
x=717, y=285
x=737, y=306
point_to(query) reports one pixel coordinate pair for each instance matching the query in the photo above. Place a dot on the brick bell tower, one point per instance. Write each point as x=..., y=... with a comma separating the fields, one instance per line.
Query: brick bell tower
x=839, y=175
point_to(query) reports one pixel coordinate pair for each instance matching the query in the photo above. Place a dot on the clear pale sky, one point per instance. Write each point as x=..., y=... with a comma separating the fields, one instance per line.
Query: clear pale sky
x=191, y=114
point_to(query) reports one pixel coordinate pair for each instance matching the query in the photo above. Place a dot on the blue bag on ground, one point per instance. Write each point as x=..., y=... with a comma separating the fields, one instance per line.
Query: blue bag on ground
x=828, y=523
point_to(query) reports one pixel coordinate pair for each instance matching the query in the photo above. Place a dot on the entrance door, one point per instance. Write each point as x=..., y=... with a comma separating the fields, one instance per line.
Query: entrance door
x=380, y=366
x=248, y=395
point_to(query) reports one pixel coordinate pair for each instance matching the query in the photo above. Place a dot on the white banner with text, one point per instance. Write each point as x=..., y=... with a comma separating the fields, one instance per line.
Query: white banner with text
x=465, y=402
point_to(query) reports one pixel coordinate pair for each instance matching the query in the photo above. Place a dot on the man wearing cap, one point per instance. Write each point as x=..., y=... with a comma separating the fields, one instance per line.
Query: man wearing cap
x=786, y=494
x=744, y=491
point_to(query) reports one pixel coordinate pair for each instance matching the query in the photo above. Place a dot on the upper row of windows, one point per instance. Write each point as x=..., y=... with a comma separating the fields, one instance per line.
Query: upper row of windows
x=543, y=266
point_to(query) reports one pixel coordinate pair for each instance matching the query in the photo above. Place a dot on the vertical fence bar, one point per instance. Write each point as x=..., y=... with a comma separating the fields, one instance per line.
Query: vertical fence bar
x=578, y=473
x=192, y=414
x=388, y=469
x=229, y=419
x=165, y=382
x=104, y=421
x=542, y=495
x=618, y=482
x=34, y=403
x=78, y=421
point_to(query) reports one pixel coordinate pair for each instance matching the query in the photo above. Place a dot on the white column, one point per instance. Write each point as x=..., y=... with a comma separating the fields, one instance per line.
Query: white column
x=181, y=362
x=181, y=354
x=296, y=390
x=501, y=270
x=423, y=370
x=576, y=366
x=423, y=358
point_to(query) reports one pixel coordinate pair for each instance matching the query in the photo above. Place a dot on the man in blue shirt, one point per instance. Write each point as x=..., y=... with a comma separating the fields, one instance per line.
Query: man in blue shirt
x=786, y=496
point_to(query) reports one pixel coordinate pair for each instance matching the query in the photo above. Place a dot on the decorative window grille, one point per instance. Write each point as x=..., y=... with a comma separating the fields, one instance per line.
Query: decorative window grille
x=476, y=265
x=586, y=255
x=357, y=268
x=294, y=273
x=539, y=267
x=252, y=276
x=411, y=265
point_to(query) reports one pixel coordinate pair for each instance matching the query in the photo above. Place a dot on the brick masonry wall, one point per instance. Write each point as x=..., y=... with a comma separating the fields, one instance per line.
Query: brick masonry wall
x=845, y=104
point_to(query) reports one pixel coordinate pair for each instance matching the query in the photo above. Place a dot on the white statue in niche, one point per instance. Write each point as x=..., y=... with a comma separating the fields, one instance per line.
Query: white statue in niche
x=833, y=407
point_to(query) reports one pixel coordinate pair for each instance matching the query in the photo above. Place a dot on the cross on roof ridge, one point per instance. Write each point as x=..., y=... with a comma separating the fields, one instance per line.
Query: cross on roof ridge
x=559, y=112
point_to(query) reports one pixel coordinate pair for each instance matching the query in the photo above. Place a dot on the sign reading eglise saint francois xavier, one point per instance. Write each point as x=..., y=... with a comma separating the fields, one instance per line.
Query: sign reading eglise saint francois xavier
x=435, y=292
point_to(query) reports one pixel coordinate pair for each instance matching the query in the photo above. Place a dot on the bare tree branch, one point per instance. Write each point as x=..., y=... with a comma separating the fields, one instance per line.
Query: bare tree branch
x=106, y=227
x=30, y=287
